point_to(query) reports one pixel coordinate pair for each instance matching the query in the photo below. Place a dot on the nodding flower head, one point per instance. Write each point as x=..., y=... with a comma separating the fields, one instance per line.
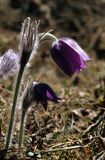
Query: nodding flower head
x=42, y=93
x=28, y=40
x=39, y=93
x=69, y=56
x=9, y=63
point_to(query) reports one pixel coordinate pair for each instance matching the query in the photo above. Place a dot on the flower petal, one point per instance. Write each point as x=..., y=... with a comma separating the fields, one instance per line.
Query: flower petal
x=42, y=93
x=74, y=45
x=67, y=57
x=9, y=63
x=46, y=92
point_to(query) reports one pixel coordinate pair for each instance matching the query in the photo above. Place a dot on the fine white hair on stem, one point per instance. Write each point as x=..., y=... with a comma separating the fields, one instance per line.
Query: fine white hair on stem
x=35, y=39
x=27, y=96
x=9, y=63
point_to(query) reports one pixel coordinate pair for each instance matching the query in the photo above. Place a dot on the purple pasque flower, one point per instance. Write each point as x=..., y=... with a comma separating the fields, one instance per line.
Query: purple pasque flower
x=28, y=40
x=39, y=93
x=42, y=93
x=9, y=63
x=69, y=56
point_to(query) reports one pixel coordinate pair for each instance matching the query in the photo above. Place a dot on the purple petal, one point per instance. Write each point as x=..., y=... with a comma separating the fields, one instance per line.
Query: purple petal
x=9, y=63
x=42, y=93
x=67, y=58
x=46, y=92
x=74, y=45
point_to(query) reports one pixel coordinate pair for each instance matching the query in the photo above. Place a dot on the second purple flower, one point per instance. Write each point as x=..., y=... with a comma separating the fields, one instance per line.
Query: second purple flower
x=40, y=93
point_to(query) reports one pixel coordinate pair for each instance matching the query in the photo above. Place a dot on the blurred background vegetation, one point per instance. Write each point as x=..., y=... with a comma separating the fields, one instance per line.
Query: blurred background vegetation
x=82, y=20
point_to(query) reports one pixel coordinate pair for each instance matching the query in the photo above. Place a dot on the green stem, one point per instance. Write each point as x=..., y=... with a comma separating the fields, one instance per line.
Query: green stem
x=21, y=133
x=49, y=35
x=14, y=106
x=52, y=36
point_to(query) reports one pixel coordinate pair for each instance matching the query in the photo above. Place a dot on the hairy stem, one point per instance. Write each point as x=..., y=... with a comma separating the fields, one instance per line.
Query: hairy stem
x=52, y=36
x=21, y=133
x=9, y=134
x=48, y=34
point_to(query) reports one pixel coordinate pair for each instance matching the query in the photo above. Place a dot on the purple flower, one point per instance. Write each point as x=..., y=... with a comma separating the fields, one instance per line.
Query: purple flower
x=9, y=63
x=69, y=56
x=39, y=93
x=42, y=93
